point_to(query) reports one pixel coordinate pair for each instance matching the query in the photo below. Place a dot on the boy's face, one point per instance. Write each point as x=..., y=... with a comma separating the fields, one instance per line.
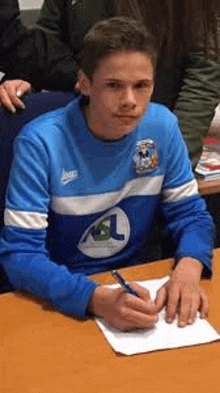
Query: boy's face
x=119, y=93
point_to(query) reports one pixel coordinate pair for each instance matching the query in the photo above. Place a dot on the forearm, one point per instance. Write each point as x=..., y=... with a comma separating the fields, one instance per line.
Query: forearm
x=192, y=230
x=32, y=271
x=197, y=246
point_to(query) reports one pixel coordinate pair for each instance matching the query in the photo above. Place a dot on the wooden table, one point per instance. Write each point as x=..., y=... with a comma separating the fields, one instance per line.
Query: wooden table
x=43, y=351
x=208, y=187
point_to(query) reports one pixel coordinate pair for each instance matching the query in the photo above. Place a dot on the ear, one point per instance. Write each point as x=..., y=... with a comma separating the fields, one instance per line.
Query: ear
x=84, y=83
x=152, y=88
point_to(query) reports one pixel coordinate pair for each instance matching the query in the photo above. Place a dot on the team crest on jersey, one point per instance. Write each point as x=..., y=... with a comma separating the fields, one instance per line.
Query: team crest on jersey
x=146, y=157
x=107, y=235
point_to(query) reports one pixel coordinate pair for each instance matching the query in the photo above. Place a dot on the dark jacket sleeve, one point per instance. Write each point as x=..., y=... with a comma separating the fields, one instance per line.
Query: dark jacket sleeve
x=197, y=100
x=40, y=59
x=47, y=55
x=37, y=55
x=9, y=11
x=12, y=32
x=18, y=55
x=64, y=24
x=57, y=65
x=59, y=60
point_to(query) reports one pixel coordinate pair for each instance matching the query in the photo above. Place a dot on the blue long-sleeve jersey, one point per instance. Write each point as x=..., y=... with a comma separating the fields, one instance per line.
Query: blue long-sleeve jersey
x=77, y=205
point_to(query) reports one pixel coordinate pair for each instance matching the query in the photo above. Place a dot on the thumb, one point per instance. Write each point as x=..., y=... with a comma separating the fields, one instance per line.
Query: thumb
x=161, y=298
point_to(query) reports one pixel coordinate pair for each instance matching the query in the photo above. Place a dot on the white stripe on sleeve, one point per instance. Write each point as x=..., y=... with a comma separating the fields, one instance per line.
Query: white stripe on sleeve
x=178, y=193
x=27, y=220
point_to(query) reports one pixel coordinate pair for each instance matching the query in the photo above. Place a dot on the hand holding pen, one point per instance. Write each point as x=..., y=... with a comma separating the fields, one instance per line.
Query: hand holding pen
x=125, y=308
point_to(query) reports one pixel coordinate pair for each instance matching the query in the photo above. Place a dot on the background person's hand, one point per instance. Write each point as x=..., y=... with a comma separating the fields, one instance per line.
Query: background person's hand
x=182, y=294
x=76, y=87
x=10, y=93
x=122, y=310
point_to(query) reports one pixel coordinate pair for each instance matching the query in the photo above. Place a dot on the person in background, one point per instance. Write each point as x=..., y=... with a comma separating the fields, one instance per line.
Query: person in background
x=9, y=11
x=85, y=185
x=17, y=43
x=188, y=72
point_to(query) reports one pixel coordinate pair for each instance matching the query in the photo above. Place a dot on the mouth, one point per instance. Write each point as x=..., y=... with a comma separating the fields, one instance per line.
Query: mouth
x=126, y=116
x=127, y=119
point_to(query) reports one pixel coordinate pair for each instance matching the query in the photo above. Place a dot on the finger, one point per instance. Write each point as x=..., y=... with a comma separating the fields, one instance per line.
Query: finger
x=11, y=90
x=23, y=88
x=161, y=298
x=77, y=87
x=143, y=293
x=126, y=326
x=194, y=308
x=138, y=319
x=146, y=305
x=19, y=102
x=19, y=93
x=185, y=307
x=140, y=305
x=10, y=99
x=172, y=302
x=204, y=305
x=16, y=101
x=14, y=97
x=6, y=101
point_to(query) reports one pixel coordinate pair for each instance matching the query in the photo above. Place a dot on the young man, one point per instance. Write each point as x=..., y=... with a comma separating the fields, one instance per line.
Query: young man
x=98, y=175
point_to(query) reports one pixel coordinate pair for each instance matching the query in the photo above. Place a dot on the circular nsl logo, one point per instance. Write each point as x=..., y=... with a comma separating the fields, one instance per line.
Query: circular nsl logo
x=108, y=235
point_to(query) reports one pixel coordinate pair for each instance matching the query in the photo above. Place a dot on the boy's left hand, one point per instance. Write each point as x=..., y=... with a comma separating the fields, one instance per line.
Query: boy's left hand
x=182, y=294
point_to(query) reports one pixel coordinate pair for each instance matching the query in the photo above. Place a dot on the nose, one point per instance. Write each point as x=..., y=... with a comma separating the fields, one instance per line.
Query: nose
x=128, y=99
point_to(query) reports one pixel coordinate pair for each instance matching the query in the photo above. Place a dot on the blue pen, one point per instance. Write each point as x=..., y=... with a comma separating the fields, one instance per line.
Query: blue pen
x=123, y=283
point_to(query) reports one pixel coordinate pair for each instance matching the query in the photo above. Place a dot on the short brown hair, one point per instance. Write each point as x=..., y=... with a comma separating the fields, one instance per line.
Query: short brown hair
x=113, y=35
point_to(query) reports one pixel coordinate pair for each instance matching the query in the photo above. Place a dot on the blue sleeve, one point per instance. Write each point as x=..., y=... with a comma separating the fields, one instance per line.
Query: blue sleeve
x=188, y=220
x=23, y=251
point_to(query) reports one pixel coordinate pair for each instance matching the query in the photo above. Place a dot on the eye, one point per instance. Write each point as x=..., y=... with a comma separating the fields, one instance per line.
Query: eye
x=142, y=85
x=114, y=85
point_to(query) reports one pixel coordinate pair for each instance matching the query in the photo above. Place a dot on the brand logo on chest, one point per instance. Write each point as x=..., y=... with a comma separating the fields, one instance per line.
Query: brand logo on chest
x=107, y=235
x=68, y=176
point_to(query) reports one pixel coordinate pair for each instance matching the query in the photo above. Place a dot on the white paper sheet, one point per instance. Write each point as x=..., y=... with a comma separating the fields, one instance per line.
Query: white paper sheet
x=163, y=335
